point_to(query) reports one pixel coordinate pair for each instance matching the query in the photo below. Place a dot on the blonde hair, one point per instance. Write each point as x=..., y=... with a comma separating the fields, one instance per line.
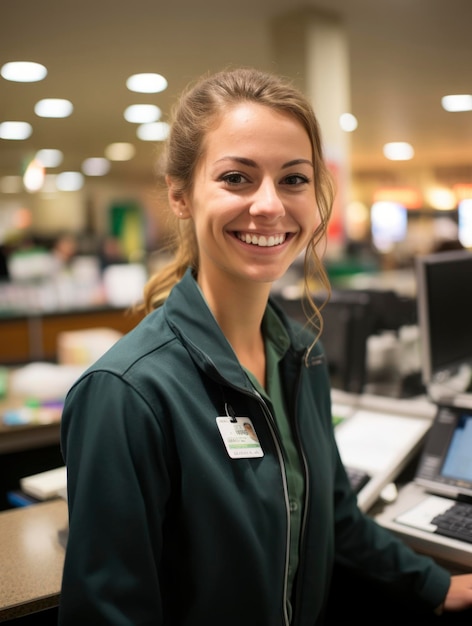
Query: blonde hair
x=197, y=111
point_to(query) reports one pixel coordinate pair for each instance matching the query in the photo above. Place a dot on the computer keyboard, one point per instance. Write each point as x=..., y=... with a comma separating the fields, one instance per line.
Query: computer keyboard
x=456, y=522
x=357, y=477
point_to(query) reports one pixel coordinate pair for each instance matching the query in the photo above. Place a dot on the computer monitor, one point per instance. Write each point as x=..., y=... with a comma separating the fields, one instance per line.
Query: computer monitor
x=347, y=323
x=444, y=304
x=445, y=465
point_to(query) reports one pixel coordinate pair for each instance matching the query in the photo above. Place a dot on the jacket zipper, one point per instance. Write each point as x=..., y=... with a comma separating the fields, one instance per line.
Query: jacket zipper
x=307, y=485
x=313, y=362
x=270, y=421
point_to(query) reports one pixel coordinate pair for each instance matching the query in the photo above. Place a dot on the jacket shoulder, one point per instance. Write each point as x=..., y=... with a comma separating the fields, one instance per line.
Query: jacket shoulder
x=149, y=336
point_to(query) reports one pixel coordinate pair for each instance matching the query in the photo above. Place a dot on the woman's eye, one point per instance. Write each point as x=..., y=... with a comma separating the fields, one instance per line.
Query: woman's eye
x=295, y=179
x=234, y=178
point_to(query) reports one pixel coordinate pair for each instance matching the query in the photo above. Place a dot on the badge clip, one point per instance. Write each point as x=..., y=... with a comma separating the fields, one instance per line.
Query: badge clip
x=230, y=413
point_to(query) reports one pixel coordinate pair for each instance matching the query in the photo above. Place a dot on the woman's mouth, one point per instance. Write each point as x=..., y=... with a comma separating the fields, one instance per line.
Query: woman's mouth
x=264, y=241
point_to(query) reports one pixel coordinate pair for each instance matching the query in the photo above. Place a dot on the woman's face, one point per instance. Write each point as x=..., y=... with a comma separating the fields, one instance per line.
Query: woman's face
x=253, y=200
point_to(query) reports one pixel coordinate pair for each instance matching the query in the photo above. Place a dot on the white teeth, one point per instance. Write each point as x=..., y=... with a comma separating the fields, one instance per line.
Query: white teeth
x=264, y=242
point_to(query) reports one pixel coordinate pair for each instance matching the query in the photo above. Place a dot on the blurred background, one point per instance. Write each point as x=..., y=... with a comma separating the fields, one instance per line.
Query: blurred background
x=84, y=181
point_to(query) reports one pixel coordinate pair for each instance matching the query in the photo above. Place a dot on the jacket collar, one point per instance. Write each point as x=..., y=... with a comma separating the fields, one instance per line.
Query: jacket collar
x=190, y=318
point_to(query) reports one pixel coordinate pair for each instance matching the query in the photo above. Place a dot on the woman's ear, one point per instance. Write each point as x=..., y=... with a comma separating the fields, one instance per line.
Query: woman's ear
x=177, y=200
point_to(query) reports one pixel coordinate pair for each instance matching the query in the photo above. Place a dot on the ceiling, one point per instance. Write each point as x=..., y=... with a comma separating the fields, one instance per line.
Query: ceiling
x=404, y=56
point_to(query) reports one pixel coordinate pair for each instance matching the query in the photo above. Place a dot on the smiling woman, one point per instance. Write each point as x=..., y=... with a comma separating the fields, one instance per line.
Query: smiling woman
x=272, y=153
x=253, y=187
x=206, y=433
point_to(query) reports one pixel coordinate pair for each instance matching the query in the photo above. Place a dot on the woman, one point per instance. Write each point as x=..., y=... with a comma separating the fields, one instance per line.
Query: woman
x=177, y=516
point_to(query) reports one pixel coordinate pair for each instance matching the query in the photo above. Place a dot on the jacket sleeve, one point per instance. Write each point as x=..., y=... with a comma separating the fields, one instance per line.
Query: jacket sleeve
x=366, y=547
x=115, y=452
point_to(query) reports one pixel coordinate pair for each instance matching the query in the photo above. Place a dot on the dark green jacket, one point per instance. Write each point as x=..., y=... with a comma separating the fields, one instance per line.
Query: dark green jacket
x=166, y=528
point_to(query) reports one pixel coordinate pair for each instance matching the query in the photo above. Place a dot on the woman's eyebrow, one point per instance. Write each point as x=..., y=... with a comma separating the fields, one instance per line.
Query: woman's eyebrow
x=251, y=163
x=298, y=162
x=242, y=160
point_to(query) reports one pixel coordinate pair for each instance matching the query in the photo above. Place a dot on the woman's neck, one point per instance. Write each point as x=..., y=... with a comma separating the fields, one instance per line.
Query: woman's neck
x=239, y=310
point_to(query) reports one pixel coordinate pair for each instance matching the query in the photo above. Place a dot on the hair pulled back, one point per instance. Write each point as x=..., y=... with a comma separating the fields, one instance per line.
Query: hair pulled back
x=198, y=110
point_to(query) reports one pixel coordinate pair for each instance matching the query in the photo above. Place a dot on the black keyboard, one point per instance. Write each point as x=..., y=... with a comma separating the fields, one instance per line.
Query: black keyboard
x=357, y=477
x=456, y=522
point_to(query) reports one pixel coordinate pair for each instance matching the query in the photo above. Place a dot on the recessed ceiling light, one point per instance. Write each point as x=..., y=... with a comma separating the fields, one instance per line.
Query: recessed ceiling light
x=23, y=71
x=15, y=130
x=53, y=107
x=142, y=113
x=398, y=151
x=348, y=122
x=158, y=131
x=69, y=181
x=120, y=151
x=146, y=83
x=50, y=157
x=458, y=102
x=96, y=166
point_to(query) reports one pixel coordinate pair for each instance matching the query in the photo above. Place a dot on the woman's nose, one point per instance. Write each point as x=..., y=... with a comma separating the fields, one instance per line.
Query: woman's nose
x=267, y=201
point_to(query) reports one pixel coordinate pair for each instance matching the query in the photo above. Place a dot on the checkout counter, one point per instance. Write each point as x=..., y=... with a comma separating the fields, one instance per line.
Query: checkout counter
x=32, y=538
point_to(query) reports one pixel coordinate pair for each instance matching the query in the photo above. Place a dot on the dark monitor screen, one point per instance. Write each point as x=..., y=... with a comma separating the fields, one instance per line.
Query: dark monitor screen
x=347, y=323
x=444, y=289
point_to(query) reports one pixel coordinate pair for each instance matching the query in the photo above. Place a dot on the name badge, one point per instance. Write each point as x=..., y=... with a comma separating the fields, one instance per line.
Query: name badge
x=239, y=437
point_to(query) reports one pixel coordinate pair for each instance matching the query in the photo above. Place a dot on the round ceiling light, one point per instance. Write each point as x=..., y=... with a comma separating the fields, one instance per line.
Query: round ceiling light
x=23, y=71
x=53, y=107
x=146, y=83
x=15, y=130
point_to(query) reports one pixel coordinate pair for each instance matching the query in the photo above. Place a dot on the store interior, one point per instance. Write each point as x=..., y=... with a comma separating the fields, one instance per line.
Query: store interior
x=82, y=226
x=83, y=212
x=400, y=60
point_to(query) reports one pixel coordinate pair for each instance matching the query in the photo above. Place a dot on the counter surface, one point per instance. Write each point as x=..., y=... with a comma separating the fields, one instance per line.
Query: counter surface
x=32, y=542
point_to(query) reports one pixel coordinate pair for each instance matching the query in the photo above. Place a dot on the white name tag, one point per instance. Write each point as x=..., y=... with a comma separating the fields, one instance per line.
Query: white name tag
x=239, y=437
